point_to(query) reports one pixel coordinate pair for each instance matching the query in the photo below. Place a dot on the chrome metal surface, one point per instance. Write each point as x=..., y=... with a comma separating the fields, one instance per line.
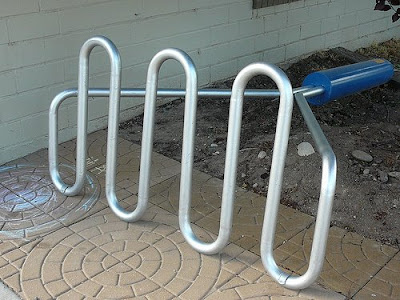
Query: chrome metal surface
x=232, y=151
x=191, y=94
x=202, y=93
x=327, y=192
x=83, y=86
x=148, y=133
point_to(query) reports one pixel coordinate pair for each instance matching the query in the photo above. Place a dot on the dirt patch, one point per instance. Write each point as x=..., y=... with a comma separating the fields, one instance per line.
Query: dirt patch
x=367, y=197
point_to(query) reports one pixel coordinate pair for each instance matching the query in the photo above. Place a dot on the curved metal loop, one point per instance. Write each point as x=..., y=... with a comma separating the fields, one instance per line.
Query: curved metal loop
x=148, y=132
x=327, y=192
x=82, y=120
x=232, y=150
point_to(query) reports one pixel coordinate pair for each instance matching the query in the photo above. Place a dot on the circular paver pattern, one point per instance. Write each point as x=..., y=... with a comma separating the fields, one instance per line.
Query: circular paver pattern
x=30, y=204
x=107, y=258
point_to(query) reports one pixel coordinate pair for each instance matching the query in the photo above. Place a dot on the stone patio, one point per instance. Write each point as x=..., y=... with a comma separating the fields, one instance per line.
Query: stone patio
x=53, y=246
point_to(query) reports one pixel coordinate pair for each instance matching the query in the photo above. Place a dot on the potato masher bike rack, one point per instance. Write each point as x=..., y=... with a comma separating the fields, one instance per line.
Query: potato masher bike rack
x=318, y=88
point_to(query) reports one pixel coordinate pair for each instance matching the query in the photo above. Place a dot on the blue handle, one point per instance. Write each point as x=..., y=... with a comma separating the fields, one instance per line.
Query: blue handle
x=342, y=81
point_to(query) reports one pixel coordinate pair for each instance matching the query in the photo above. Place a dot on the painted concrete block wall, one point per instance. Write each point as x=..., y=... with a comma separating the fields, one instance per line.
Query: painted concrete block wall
x=40, y=42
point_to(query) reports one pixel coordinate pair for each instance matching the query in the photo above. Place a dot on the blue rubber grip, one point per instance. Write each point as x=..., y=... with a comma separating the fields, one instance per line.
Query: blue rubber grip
x=343, y=81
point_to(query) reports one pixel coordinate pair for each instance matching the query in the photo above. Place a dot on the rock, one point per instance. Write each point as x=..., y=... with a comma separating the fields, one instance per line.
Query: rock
x=305, y=149
x=361, y=155
x=262, y=155
x=394, y=175
x=243, y=175
x=366, y=172
x=383, y=176
x=216, y=153
x=255, y=185
x=214, y=145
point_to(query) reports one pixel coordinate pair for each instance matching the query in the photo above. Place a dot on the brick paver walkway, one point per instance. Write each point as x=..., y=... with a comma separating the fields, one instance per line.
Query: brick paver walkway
x=54, y=246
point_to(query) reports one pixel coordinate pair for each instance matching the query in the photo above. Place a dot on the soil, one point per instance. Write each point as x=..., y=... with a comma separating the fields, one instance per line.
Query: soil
x=367, y=199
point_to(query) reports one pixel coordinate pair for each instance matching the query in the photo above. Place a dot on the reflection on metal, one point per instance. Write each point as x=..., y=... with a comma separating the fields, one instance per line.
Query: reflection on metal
x=191, y=93
x=82, y=122
x=327, y=192
x=148, y=133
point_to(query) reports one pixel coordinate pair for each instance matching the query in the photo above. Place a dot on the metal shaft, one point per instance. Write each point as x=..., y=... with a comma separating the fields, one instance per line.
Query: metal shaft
x=82, y=121
x=327, y=192
x=191, y=94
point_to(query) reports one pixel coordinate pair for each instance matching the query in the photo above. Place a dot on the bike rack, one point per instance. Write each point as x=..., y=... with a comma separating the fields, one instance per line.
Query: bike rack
x=318, y=88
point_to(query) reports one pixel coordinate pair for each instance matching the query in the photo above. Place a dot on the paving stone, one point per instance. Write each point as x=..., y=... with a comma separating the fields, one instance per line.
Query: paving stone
x=102, y=257
x=385, y=284
x=347, y=255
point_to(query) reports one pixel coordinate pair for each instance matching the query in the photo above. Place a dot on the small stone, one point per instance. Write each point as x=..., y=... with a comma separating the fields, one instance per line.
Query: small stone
x=361, y=155
x=383, y=176
x=214, y=145
x=255, y=185
x=305, y=149
x=243, y=175
x=216, y=153
x=366, y=172
x=394, y=175
x=262, y=155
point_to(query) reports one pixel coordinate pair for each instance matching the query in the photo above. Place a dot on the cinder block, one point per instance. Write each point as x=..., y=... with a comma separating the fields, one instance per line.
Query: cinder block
x=364, y=16
x=13, y=8
x=15, y=151
x=153, y=8
x=7, y=57
x=89, y=17
x=310, y=2
x=333, y=39
x=10, y=133
x=266, y=41
x=35, y=126
x=349, y=34
x=186, y=41
x=318, y=12
x=247, y=60
x=221, y=53
x=275, y=55
x=315, y=43
x=347, y=20
x=240, y=11
x=224, y=33
x=336, y=8
x=329, y=24
x=32, y=26
x=7, y=86
x=275, y=21
x=185, y=5
x=295, y=49
x=28, y=103
x=223, y=70
x=171, y=25
x=354, y=6
x=204, y=76
x=63, y=4
x=310, y=29
x=29, y=53
x=3, y=32
x=39, y=76
x=298, y=16
x=65, y=46
x=120, y=34
x=289, y=35
x=251, y=27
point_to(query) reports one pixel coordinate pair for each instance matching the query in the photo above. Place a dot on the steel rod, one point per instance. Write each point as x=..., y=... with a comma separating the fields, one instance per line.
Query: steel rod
x=202, y=93
x=82, y=119
x=327, y=192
